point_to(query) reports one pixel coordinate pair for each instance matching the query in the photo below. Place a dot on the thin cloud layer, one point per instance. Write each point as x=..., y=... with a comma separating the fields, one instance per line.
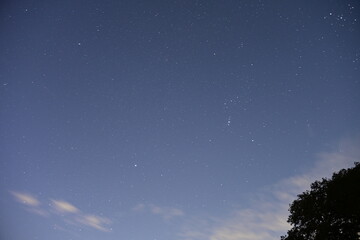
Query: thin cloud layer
x=266, y=220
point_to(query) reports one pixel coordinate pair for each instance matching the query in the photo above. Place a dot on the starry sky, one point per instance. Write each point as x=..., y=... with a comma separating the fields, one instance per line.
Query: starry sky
x=171, y=120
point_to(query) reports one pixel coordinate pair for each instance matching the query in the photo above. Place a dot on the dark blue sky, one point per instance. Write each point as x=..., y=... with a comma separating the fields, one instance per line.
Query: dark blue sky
x=171, y=119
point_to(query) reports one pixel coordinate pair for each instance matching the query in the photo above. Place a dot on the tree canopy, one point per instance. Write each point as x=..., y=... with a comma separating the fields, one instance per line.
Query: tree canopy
x=329, y=210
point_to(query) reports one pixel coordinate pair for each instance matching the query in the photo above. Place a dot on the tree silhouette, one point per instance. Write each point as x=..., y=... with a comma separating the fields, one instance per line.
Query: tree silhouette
x=330, y=210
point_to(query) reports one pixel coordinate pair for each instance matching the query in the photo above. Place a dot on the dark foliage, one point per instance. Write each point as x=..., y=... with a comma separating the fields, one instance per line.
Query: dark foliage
x=330, y=210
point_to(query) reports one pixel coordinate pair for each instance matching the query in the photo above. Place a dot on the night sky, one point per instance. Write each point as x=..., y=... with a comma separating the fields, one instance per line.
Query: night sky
x=171, y=120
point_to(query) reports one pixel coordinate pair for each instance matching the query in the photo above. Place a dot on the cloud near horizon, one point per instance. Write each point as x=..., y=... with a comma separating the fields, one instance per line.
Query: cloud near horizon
x=66, y=210
x=267, y=218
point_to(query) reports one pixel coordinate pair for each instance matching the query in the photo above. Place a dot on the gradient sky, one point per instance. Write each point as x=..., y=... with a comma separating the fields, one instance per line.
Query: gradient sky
x=171, y=120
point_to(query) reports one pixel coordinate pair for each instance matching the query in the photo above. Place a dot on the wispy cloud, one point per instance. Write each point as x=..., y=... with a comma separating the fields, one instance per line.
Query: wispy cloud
x=31, y=203
x=39, y=211
x=166, y=213
x=26, y=199
x=68, y=211
x=64, y=207
x=266, y=219
x=139, y=207
x=252, y=224
x=94, y=222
